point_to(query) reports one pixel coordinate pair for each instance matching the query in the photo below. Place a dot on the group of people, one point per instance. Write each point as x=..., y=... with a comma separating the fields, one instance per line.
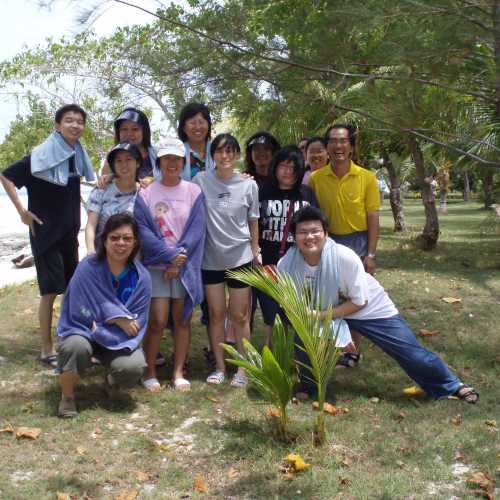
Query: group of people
x=166, y=223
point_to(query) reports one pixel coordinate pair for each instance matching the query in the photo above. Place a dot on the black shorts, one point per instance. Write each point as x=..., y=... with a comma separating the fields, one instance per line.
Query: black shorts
x=55, y=267
x=210, y=277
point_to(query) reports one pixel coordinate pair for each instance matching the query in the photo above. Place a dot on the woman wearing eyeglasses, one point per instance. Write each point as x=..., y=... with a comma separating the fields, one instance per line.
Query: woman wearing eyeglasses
x=105, y=313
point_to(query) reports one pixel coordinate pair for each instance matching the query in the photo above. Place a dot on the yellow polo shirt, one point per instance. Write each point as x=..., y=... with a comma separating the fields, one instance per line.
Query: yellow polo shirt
x=346, y=201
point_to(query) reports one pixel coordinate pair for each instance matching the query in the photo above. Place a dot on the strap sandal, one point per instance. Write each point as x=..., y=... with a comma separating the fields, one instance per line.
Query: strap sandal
x=151, y=384
x=67, y=408
x=466, y=393
x=348, y=360
x=182, y=385
x=216, y=378
x=49, y=361
x=239, y=380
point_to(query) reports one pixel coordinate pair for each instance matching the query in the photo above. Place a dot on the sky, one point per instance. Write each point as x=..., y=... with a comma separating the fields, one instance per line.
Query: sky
x=24, y=24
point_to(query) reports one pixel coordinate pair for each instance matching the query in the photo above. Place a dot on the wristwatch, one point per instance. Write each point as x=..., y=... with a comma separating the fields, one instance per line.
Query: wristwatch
x=371, y=255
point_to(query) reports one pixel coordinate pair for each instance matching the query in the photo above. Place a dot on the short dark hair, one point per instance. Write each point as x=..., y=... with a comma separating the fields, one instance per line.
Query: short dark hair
x=288, y=153
x=141, y=119
x=314, y=139
x=351, y=129
x=268, y=139
x=302, y=140
x=112, y=224
x=68, y=108
x=187, y=112
x=226, y=140
x=306, y=214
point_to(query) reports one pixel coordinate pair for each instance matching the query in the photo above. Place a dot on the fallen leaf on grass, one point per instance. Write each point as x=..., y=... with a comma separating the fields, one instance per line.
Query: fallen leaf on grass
x=328, y=408
x=62, y=496
x=8, y=428
x=142, y=476
x=81, y=450
x=400, y=464
x=200, y=485
x=343, y=481
x=491, y=423
x=456, y=420
x=272, y=412
x=28, y=432
x=232, y=473
x=127, y=495
x=213, y=400
x=483, y=482
x=413, y=391
x=347, y=462
x=375, y=400
x=428, y=333
x=451, y=300
x=400, y=416
x=297, y=462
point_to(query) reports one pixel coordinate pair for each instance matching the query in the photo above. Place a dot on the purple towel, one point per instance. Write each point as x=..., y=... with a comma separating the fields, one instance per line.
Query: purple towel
x=157, y=253
x=90, y=298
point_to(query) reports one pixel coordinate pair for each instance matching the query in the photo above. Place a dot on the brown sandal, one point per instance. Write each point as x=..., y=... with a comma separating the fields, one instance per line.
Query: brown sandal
x=467, y=393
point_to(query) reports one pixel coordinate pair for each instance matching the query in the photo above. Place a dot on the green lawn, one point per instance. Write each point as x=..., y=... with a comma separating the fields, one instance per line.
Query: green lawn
x=391, y=447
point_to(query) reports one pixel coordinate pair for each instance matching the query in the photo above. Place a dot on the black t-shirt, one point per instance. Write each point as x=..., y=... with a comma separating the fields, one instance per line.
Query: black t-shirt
x=145, y=168
x=58, y=207
x=274, y=211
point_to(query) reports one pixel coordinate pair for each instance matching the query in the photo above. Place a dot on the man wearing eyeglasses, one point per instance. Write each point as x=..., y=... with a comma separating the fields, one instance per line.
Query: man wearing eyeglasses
x=349, y=196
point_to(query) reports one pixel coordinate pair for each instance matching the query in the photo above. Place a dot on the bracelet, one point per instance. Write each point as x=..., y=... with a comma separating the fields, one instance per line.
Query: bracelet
x=371, y=255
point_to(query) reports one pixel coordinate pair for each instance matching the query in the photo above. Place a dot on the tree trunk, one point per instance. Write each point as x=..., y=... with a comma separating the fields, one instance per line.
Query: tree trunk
x=466, y=186
x=395, y=194
x=488, y=190
x=430, y=234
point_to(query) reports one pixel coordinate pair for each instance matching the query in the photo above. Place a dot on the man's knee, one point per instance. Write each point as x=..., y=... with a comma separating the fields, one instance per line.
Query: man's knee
x=127, y=370
x=74, y=354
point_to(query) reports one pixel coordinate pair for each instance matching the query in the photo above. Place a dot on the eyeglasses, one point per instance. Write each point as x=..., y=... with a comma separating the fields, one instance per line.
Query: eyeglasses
x=312, y=232
x=343, y=141
x=115, y=238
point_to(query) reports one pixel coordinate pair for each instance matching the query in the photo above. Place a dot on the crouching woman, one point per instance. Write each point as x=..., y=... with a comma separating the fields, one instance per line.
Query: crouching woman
x=105, y=313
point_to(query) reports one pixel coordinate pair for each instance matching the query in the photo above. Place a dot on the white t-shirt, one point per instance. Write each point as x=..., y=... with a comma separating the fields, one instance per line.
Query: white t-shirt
x=360, y=287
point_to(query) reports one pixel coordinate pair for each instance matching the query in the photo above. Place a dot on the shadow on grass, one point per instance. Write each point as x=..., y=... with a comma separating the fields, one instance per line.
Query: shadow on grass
x=267, y=485
x=72, y=484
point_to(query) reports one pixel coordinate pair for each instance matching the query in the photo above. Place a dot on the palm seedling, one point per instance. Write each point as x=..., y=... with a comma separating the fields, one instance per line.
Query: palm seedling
x=270, y=372
x=298, y=303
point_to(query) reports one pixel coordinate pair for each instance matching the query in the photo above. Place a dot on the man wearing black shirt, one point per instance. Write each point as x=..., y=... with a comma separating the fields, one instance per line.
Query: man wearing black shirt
x=53, y=217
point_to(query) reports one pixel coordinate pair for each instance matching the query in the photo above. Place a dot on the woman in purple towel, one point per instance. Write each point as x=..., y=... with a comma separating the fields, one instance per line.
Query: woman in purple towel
x=105, y=313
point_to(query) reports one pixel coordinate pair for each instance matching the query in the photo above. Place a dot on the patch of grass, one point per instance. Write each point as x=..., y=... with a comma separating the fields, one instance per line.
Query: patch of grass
x=398, y=447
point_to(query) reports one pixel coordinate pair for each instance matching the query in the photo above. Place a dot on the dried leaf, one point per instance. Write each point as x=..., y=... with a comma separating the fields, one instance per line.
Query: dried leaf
x=413, y=391
x=451, y=300
x=428, y=333
x=28, y=432
x=272, y=412
x=400, y=416
x=8, y=428
x=127, y=495
x=200, y=485
x=213, y=400
x=483, y=481
x=232, y=473
x=347, y=462
x=491, y=423
x=62, y=496
x=344, y=481
x=400, y=464
x=375, y=400
x=163, y=447
x=328, y=408
x=142, y=476
x=81, y=450
x=297, y=462
x=456, y=420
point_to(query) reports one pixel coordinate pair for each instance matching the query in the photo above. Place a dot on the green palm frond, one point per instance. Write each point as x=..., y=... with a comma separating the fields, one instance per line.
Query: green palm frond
x=298, y=304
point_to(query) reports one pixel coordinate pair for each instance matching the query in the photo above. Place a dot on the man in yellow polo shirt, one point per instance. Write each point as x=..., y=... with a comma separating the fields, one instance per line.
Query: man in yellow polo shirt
x=349, y=196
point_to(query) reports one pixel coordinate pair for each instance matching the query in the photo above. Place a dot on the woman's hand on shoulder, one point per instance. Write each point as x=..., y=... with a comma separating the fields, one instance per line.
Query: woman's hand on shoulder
x=104, y=180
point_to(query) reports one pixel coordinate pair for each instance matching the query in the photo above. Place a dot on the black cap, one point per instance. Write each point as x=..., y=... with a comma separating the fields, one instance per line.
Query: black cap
x=260, y=139
x=124, y=146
